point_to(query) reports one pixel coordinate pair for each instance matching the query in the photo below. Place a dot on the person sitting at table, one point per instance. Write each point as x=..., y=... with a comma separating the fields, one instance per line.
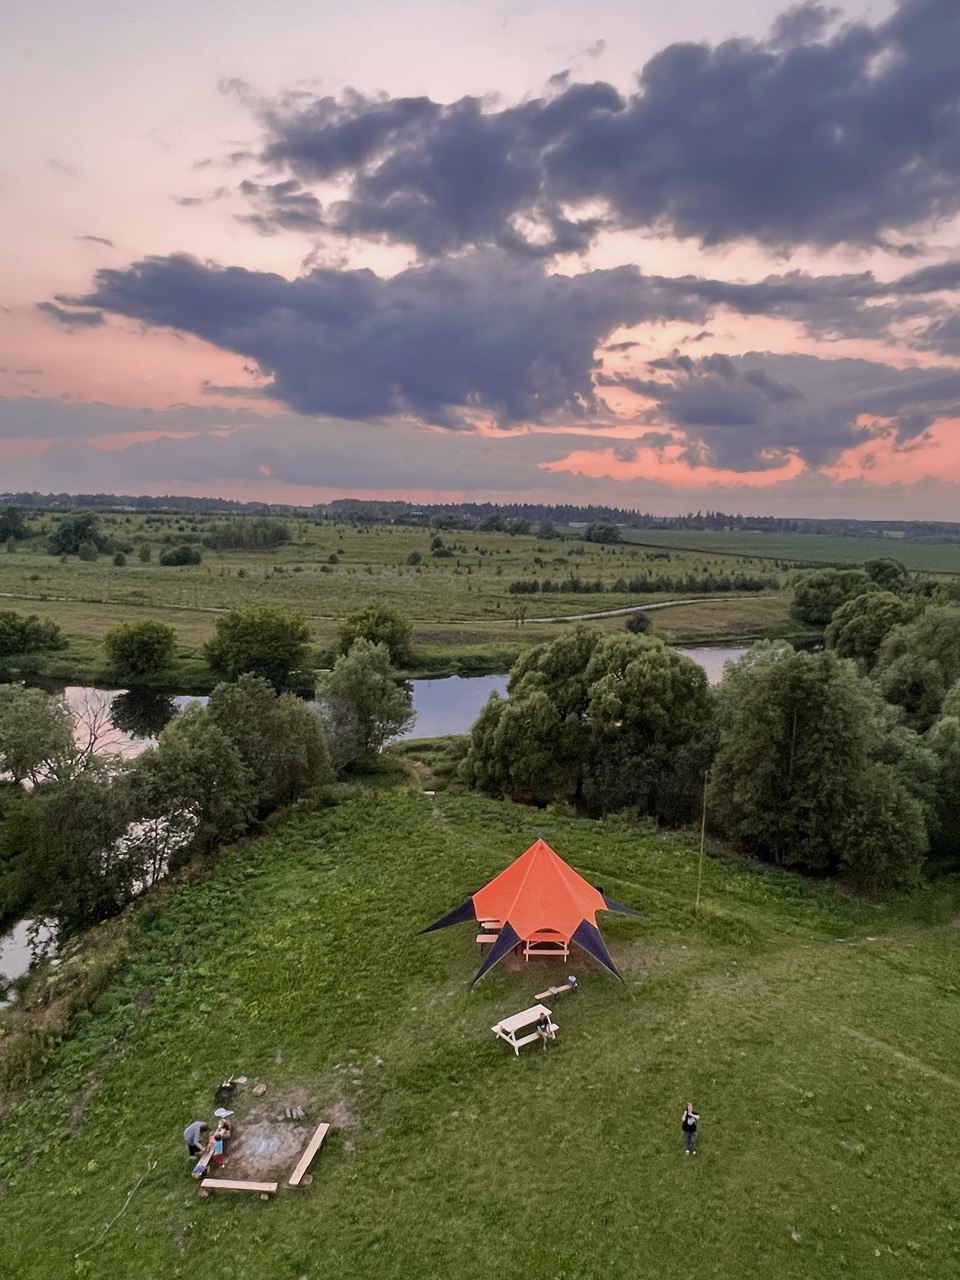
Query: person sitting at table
x=545, y=1030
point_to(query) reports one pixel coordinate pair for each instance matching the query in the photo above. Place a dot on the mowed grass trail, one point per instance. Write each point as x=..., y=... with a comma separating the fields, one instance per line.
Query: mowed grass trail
x=819, y=1036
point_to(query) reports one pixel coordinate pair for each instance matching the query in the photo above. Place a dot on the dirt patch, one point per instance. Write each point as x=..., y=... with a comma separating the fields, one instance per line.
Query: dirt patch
x=267, y=1146
x=266, y=1149
x=340, y=1115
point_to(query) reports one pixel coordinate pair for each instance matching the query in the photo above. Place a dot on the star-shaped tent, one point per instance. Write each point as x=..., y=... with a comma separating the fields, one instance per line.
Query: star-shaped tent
x=538, y=892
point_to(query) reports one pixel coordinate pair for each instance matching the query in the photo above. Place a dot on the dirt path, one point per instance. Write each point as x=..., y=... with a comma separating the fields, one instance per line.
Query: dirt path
x=646, y=608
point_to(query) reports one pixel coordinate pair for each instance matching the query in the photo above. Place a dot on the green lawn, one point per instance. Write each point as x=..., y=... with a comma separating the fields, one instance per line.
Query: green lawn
x=818, y=1035
x=803, y=548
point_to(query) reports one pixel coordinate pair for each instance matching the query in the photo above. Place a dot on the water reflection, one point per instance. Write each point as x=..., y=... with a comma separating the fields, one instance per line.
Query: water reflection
x=20, y=946
x=141, y=713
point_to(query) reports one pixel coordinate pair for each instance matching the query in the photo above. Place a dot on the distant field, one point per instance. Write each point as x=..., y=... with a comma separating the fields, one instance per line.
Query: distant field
x=459, y=603
x=817, y=1035
x=803, y=548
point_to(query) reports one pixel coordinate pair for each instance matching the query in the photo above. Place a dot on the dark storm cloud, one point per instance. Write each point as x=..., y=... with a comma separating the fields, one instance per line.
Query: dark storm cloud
x=751, y=412
x=482, y=333
x=805, y=137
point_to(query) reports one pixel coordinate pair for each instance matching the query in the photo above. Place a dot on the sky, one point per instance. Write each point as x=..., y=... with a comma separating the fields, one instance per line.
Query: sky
x=660, y=256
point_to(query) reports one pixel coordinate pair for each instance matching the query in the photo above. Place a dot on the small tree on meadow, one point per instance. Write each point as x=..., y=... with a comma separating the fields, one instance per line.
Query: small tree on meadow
x=379, y=626
x=140, y=651
x=263, y=640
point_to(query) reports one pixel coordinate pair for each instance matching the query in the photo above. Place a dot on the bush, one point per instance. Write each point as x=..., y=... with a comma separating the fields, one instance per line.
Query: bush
x=182, y=555
x=638, y=624
x=20, y=634
x=140, y=650
x=263, y=640
x=74, y=532
x=119, y=559
x=87, y=551
x=817, y=595
x=379, y=626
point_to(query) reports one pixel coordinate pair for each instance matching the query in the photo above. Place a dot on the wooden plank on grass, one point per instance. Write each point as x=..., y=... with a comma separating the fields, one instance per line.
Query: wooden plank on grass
x=263, y=1189
x=311, y=1149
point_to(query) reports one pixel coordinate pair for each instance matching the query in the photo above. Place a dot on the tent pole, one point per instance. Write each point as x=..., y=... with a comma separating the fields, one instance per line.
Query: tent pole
x=703, y=834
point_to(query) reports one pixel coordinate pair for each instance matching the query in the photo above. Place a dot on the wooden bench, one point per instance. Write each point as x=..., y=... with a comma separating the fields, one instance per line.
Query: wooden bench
x=486, y=939
x=310, y=1150
x=553, y=991
x=263, y=1189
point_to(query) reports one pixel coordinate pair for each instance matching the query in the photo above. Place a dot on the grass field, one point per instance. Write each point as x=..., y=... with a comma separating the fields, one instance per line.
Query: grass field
x=818, y=1036
x=803, y=548
x=462, y=612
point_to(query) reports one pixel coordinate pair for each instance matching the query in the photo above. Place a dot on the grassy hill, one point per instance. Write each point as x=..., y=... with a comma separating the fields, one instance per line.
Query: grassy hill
x=818, y=1035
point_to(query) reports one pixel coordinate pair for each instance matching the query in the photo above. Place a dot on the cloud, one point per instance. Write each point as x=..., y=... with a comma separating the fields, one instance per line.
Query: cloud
x=480, y=336
x=98, y=240
x=37, y=418
x=62, y=168
x=757, y=411
x=804, y=137
x=71, y=319
x=282, y=206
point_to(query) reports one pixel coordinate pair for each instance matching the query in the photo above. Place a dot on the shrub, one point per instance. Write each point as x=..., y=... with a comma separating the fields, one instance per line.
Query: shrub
x=19, y=634
x=140, y=650
x=379, y=626
x=181, y=555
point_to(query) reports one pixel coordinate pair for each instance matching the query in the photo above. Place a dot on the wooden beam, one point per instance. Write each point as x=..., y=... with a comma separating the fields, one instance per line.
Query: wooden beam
x=263, y=1189
x=311, y=1149
x=200, y=1168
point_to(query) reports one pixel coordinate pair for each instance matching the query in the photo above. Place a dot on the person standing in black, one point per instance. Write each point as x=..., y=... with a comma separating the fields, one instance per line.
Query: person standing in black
x=688, y=1127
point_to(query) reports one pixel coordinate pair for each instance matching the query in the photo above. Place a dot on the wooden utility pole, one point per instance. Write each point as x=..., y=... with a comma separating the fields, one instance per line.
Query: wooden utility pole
x=703, y=836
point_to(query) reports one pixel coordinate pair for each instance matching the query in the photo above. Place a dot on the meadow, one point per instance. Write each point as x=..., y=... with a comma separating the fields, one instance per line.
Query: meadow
x=817, y=1034
x=803, y=548
x=464, y=616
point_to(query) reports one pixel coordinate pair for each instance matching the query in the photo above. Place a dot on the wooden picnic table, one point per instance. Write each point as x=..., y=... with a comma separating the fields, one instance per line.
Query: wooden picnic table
x=546, y=942
x=509, y=1028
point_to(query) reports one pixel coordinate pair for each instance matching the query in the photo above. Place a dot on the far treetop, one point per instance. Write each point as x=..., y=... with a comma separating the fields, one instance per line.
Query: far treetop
x=508, y=518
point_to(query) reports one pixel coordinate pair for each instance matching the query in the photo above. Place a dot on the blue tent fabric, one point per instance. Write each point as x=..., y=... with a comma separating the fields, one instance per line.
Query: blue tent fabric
x=613, y=905
x=588, y=937
x=465, y=911
x=507, y=939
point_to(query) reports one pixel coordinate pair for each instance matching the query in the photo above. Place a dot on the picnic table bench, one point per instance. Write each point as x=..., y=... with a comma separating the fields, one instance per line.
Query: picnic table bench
x=546, y=942
x=509, y=1028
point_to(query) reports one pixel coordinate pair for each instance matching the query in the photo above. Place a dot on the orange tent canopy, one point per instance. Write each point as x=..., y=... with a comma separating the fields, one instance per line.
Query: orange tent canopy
x=539, y=891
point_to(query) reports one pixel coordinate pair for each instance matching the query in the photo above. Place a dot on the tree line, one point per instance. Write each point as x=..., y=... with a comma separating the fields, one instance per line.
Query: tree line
x=646, y=584
x=84, y=830
x=844, y=761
